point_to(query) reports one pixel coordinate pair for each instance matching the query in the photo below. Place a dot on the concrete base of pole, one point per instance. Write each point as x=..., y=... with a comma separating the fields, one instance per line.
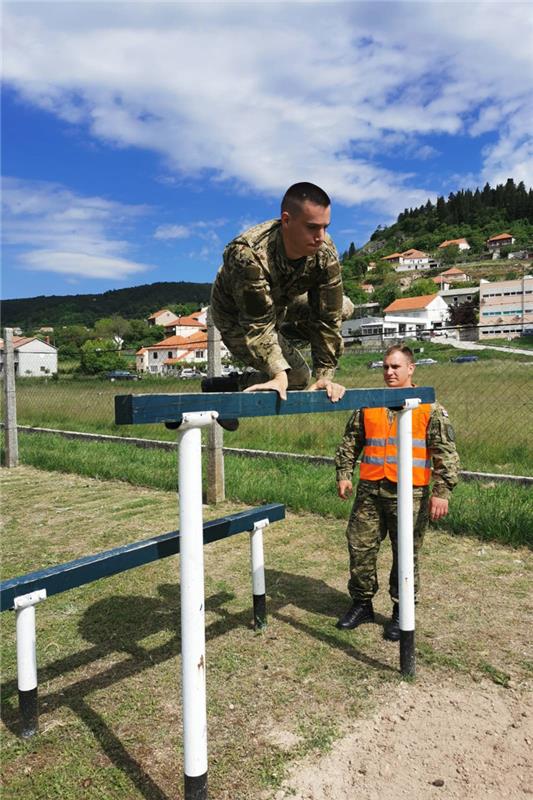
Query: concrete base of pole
x=196, y=787
x=28, y=712
x=260, y=615
x=407, y=653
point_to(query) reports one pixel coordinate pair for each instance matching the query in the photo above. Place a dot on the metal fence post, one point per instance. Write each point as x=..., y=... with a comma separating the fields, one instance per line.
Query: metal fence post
x=11, y=438
x=216, y=492
x=405, y=538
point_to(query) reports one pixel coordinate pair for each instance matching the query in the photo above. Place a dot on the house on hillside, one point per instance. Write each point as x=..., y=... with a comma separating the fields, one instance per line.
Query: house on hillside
x=500, y=240
x=462, y=244
x=187, y=326
x=173, y=352
x=368, y=288
x=441, y=282
x=505, y=307
x=416, y=314
x=454, y=275
x=369, y=330
x=33, y=357
x=163, y=317
x=409, y=260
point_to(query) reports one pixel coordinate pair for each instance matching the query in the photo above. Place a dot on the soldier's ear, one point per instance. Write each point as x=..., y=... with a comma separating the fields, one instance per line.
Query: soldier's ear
x=285, y=217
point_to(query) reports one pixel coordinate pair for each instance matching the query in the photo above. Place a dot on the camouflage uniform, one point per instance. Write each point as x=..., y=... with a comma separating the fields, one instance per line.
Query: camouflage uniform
x=374, y=512
x=261, y=300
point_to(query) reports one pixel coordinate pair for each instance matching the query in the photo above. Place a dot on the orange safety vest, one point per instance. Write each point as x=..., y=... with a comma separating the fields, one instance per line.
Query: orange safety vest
x=380, y=453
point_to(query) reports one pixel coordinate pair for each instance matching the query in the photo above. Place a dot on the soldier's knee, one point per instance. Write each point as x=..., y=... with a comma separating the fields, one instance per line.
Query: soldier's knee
x=299, y=377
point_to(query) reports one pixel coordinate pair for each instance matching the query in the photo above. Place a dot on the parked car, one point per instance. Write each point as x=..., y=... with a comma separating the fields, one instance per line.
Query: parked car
x=189, y=372
x=464, y=359
x=425, y=362
x=375, y=364
x=121, y=375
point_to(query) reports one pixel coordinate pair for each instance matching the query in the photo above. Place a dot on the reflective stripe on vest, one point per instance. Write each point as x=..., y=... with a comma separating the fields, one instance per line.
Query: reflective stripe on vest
x=380, y=456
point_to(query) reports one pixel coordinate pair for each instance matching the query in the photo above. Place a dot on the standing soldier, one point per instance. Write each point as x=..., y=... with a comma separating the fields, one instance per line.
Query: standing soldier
x=280, y=283
x=373, y=432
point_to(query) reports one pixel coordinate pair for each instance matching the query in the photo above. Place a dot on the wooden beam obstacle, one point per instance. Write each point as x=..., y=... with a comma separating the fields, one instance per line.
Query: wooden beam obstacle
x=192, y=412
x=24, y=592
x=141, y=409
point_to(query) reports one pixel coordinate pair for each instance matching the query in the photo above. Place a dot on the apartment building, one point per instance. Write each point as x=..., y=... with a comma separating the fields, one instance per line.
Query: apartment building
x=505, y=308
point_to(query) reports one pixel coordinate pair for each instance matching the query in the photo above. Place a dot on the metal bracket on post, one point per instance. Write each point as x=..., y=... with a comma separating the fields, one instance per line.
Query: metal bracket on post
x=406, y=588
x=193, y=603
x=258, y=574
x=24, y=606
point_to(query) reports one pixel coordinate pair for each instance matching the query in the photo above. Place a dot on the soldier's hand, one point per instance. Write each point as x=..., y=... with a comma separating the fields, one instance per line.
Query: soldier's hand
x=344, y=489
x=335, y=391
x=279, y=383
x=438, y=507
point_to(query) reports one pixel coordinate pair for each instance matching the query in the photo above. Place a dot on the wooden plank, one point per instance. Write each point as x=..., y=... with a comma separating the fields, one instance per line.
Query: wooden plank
x=62, y=577
x=141, y=409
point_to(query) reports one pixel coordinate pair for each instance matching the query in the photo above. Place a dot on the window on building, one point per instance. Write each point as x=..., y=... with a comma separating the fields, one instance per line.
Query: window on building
x=154, y=354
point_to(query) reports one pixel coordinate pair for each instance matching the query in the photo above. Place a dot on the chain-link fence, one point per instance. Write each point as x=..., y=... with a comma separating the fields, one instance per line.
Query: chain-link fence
x=489, y=401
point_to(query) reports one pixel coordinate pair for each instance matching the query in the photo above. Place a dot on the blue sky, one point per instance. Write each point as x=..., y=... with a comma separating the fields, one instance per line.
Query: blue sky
x=139, y=138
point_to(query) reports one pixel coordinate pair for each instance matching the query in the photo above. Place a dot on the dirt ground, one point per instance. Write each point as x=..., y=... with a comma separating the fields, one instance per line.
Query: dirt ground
x=459, y=741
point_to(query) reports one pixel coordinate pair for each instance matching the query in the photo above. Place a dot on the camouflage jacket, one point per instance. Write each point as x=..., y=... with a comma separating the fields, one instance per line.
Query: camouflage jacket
x=440, y=438
x=257, y=282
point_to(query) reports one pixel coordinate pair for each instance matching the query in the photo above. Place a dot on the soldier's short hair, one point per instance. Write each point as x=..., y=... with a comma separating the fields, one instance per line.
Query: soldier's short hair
x=400, y=348
x=298, y=193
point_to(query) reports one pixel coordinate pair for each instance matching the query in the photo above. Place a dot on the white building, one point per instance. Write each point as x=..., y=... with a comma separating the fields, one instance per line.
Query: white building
x=505, y=307
x=174, y=352
x=409, y=260
x=455, y=297
x=33, y=357
x=163, y=317
x=462, y=244
x=415, y=314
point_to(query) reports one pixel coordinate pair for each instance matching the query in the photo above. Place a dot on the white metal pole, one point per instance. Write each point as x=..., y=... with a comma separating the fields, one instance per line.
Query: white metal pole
x=192, y=604
x=406, y=588
x=27, y=660
x=258, y=573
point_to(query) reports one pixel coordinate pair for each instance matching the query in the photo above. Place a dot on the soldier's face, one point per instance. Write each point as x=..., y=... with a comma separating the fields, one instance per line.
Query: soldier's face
x=397, y=371
x=303, y=233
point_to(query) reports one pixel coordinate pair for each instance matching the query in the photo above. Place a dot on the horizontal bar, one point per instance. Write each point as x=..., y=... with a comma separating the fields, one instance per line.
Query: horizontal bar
x=62, y=577
x=140, y=409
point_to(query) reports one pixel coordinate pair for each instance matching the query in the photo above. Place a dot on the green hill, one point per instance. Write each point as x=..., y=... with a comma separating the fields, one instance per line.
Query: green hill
x=136, y=302
x=474, y=215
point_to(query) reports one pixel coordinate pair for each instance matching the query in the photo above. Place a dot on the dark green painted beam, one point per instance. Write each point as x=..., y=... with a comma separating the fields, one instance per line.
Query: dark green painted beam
x=140, y=409
x=62, y=577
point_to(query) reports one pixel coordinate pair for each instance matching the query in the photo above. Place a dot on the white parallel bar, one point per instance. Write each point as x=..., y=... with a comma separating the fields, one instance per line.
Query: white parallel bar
x=192, y=593
x=26, y=649
x=257, y=557
x=405, y=517
x=26, y=640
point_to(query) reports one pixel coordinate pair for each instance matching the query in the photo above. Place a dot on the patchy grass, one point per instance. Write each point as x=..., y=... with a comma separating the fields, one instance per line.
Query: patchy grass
x=490, y=511
x=109, y=653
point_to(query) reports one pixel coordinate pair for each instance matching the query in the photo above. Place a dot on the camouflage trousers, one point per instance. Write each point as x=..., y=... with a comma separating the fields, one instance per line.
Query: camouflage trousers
x=292, y=332
x=373, y=518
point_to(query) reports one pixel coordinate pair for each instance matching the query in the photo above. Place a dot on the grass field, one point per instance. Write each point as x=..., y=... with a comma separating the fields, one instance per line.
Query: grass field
x=488, y=401
x=109, y=653
x=501, y=512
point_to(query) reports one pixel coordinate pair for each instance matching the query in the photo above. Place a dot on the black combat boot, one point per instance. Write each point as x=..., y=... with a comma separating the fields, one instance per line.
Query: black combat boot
x=223, y=384
x=356, y=615
x=392, y=628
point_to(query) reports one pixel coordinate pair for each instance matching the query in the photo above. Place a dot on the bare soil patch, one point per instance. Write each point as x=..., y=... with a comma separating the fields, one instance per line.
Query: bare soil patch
x=453, y=740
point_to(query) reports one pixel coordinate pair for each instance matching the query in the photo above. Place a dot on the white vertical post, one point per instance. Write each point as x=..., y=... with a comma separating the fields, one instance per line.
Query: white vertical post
x=192, y=604
x=216, y=492
x=406, y=588
x=11, y=439
x=27, y=660
x=257, y=561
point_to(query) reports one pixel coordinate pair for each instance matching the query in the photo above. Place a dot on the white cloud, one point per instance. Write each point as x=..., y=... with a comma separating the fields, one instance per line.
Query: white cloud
x=50, y=228
x=314, y=91
x=172, y=232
